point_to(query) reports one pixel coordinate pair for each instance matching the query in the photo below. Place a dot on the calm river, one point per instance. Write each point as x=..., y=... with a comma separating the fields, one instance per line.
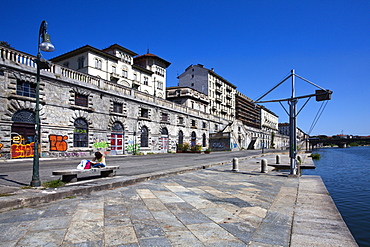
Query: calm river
x=346, y=174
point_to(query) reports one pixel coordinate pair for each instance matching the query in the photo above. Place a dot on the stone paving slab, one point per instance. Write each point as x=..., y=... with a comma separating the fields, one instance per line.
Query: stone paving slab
x=210, y=207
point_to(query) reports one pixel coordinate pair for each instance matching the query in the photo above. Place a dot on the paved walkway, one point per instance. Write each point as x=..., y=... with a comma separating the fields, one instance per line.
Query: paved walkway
x=209, y=207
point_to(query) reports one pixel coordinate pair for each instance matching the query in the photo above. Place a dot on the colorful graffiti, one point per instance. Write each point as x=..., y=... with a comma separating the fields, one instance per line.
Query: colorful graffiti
x=21, y=150
x=58, y=143
x=1, y=147
x=101, y=144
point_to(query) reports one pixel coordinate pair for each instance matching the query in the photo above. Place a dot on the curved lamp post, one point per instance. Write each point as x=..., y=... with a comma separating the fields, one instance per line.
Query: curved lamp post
x=43, y=44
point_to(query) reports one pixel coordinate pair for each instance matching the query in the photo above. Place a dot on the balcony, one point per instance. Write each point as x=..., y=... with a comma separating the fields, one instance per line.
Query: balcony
x=115, y=76
x=218, y=98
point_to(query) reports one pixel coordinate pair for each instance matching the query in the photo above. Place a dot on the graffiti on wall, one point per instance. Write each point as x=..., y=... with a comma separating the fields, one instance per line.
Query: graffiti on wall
x=1, y=147
x=58, y=143
x=101, y=144
x=21, y=150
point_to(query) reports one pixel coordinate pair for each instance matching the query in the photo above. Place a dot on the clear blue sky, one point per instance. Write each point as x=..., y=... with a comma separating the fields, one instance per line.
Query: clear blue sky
x=252, y=44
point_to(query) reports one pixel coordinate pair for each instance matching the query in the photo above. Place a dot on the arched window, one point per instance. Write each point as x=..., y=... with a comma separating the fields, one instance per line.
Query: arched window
x=164, y=132
x=24, y=116
x=204, y=140
x=193, y=139
x=144, y=137
x=181, y=137
x=80, y=133
x=117, y=127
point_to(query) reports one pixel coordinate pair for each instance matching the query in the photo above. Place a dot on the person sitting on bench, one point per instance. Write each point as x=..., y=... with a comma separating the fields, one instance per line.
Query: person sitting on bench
x=98, y=161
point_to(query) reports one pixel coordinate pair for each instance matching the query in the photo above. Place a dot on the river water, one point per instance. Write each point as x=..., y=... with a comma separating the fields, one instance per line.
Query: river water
x=346, y=174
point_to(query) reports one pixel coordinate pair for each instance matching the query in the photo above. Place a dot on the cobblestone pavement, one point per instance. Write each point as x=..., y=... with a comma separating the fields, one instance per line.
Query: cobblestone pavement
x=211, y=207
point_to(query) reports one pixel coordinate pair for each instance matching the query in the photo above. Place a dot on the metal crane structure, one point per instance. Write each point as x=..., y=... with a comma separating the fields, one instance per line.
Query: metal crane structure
x=321, y=95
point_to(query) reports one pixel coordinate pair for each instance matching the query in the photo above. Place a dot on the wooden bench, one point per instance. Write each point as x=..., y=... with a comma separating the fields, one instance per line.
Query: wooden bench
x=70, y=176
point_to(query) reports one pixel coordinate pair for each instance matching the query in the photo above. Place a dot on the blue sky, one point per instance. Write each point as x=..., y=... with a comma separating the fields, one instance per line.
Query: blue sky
x=252, y=44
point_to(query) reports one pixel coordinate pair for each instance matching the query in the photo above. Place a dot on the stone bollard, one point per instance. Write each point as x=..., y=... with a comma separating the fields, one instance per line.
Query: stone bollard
x=277, y=159
x=263, y=166
x=235, y=165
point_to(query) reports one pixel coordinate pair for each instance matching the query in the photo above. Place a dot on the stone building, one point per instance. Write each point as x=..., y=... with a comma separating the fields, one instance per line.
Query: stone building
x=81, y=112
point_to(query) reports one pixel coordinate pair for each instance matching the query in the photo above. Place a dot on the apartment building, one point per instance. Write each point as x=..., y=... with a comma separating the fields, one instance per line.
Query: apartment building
x=246, y=111
x=221, y=93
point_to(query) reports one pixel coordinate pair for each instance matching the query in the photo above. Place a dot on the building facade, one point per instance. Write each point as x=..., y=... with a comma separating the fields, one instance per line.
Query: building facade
x=82, y=113
x=221, y=92
x=188, y=97
x=247, y=112
x=115, y=101
x=145, y=73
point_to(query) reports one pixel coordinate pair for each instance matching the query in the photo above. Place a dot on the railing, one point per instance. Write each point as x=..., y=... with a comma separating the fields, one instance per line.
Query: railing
x=20, y=58
x=17, y=57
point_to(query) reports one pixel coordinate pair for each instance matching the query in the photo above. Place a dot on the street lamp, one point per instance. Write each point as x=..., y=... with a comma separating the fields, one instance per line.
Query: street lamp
x=43, y=44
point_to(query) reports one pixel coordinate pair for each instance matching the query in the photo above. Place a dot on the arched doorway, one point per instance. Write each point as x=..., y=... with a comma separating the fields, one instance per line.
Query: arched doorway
x=116, y=139
x=193, y=140
x=23, y=134
x=204, y=140
x=144, y=137
x=181, y=137
x=164, y=140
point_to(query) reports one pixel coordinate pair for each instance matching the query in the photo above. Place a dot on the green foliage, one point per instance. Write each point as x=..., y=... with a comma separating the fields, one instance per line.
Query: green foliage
x=183, y=147
x=133, y=148
x=26, y=187
x=69, y=197
x=6, y=44
x=315, y=156
x=5, y=194
x=101, y=145
x=53, y=184
x=196, y=148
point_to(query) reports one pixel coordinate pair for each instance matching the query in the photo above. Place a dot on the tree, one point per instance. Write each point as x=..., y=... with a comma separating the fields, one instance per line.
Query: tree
x=5, y=44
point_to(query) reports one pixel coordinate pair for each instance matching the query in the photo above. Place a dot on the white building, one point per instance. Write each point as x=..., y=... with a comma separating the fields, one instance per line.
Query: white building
x=269, y=120
x=146, y=73
x=221, y=92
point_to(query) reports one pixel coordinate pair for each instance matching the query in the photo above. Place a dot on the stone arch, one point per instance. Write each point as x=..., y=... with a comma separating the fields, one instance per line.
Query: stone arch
x=114, y=119
x=125, y=83
x=160, y=95
x=80, y=114
x=16, y=105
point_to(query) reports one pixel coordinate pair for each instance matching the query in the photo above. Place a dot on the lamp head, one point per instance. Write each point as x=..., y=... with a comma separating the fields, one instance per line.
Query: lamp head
x=46, y=44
